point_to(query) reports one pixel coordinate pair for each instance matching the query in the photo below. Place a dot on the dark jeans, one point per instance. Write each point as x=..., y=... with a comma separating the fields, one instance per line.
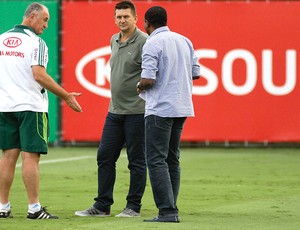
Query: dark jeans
x=118, y=130
x=162, y=156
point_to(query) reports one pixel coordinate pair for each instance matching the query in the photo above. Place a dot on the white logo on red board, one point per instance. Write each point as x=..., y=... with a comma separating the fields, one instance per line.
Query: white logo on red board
x=251, y=74
x=102, y=72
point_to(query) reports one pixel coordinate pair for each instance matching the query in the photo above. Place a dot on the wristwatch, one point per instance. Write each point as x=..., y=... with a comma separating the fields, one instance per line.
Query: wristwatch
x=138, y=86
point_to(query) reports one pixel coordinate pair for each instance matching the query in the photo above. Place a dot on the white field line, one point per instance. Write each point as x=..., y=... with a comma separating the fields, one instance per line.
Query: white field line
x=61, y=160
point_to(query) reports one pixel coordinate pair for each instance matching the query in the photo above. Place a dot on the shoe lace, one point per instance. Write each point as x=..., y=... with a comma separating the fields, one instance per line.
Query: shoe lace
x=129, y=211
x=93, y=210
x=45, y=210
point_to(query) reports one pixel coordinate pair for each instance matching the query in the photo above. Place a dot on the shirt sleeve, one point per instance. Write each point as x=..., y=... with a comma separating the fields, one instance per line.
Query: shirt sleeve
x=195, y=63
x=149, y=61
x=196, y=66
x=40, y=54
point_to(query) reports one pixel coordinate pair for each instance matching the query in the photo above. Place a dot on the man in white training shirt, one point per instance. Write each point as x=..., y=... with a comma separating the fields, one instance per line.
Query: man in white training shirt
x=24, y=107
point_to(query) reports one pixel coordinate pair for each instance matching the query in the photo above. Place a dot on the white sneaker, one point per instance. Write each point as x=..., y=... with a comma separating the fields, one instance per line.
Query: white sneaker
x=127, y=212
x=92, y=211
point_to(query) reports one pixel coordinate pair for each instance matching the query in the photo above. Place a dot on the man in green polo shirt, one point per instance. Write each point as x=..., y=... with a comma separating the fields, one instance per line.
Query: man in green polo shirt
x=125, y=119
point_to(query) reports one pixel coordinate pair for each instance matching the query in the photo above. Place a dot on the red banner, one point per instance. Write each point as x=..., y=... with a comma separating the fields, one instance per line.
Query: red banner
x=248, y=53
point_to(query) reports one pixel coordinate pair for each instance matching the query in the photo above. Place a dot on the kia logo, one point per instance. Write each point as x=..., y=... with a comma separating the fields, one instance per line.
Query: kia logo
x=212, y=79
x=12, y=42
x=102, y=71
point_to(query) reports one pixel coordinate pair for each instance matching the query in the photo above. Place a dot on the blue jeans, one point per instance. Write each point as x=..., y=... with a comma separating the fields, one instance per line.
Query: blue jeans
x=119, y=130
x=162, y=156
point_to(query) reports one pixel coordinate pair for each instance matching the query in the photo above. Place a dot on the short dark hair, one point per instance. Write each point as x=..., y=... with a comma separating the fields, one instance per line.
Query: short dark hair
x=126, y=5
x=156, y=16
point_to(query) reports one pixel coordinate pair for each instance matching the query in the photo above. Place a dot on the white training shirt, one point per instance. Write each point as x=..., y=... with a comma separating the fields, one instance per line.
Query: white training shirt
x=20, y=49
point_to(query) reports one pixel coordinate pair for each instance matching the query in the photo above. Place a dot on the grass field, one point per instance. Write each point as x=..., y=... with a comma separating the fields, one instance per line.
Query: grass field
x=222, y=188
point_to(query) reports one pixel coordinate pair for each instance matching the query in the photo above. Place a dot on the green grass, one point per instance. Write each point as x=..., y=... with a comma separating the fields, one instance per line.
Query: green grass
x=222, y=188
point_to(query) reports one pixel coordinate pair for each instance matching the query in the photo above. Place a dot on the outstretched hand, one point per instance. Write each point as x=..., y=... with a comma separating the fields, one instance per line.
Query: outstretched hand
x=72, y=102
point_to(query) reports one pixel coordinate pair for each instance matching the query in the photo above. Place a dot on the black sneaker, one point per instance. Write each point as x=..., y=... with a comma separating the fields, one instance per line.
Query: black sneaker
x=168, y=219
x=5, y=214
x=42, y=214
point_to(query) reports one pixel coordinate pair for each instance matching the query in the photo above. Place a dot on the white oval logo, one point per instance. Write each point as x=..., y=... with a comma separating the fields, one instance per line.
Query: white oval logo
x=102, y=71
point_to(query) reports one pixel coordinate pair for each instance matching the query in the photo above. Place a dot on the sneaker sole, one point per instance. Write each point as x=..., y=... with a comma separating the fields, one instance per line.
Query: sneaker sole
x=123, y=216
x=96, y=215
x=8, y=217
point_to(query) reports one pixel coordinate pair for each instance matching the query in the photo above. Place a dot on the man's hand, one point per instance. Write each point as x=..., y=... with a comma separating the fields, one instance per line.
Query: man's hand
x=138, y=89
x=71, y=101
x=144, y=84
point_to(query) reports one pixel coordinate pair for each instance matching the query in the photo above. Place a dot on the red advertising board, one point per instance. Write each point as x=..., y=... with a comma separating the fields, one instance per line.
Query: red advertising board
x=248, y=51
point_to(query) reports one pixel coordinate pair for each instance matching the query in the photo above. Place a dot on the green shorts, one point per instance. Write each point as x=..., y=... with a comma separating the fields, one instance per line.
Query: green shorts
x=26, y=130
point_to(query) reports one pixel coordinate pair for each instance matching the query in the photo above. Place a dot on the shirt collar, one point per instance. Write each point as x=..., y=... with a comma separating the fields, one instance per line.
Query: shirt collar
x=159, y=30
x=24, y=27
x=132, y=38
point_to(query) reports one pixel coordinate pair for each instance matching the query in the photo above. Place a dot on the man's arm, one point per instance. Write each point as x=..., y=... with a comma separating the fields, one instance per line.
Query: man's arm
x=144, y=84
x=41, y=76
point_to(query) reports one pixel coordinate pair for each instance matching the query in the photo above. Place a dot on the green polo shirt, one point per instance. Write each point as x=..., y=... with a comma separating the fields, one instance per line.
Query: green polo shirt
x=125, y=63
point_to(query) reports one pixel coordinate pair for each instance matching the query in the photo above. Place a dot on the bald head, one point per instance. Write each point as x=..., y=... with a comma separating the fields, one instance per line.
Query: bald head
x=34, y=8
x=36, y=17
